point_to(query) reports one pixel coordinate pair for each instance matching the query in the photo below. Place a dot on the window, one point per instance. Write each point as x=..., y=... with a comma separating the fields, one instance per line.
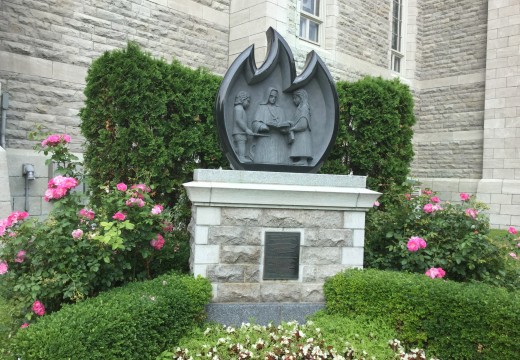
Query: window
x=396, y=55
x=310, y=20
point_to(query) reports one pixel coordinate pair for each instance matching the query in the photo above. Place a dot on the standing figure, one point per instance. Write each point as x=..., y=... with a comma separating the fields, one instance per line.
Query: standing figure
x=300, y=130
x=240, y=129
x=270, y=130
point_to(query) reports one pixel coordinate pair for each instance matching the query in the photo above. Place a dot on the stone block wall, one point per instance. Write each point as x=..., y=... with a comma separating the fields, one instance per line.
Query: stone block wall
x=228, y=249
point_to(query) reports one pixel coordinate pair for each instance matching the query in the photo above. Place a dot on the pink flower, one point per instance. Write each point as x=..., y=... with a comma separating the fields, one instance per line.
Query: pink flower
x=512, y=230
x=87, y=214
x=157, y=243
x=428, y=208
x=415, y=243
x=513, y=255
x=121, y=187
x=20, y=257
x=24, y=325
x=376, y=203
x=408, y=196
x=518, y=245
x=142, y=187
x=157, y=209
x=464, y=196
x=3, y=267
x=427, y=192
x=472, y=213
x=15, y=217
x=435, y=273
x=435, y=200
x=78, y=233
x=135, y=201
x=55, y=139
x=58, y=187
x=167, y=227
x=38, y=308
x=119, y=216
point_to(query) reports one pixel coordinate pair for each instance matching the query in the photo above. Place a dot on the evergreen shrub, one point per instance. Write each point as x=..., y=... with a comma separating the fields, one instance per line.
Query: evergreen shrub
x=450, y=320
x=137, y=321
x=375, y=132
x=147, y=121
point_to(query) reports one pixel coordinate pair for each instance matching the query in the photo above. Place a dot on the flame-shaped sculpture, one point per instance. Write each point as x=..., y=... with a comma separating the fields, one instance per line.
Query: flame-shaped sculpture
x=269, y=119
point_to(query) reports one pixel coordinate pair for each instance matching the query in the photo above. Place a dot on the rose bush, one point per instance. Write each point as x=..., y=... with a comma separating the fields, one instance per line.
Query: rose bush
x=456, y=235
x=80, y=250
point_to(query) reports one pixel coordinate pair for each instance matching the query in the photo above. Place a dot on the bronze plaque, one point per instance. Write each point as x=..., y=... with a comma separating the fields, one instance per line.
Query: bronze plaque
x=282, y=255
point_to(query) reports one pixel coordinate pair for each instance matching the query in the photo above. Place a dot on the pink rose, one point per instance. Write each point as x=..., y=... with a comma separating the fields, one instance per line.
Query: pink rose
x=427, y=192
x=157, y=209
x=55, y=139
x=415, y=243
x=24, y=325
x=435, y=200
x=513, y=255
x=408, y=196
x=121, y=187
x=167, y=227
x=119, y=216
x=376, y=203
x=20, y=256
x=157, y=243
x=518, y=245
x=135, y=201
x=435, y=273
x=3, y=267
x=87, y=214
x=78, y=233
x=428, y=208
x=472, y=213
x=512, y=230
x=38, y=308
x=142, y=187
x=464, y=196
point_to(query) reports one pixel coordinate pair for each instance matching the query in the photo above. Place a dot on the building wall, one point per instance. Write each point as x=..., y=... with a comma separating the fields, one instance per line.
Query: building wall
x=47, y=46
x=449, y=133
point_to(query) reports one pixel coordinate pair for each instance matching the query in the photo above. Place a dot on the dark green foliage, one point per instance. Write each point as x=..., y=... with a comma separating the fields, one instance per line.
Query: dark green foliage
x=137, y=321
x=450, y=320
x=148, y=121
x=375, y=132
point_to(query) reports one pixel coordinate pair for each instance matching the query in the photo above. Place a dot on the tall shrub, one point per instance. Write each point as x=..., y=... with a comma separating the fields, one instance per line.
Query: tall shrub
x=375, y=133
x=145, y=120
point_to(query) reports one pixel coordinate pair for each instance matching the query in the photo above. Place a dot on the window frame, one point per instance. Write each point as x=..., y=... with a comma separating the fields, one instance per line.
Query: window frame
x=314, y=18
x=397, y=36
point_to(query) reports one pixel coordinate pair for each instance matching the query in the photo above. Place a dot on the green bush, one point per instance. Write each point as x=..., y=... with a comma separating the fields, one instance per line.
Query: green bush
x=79, y=251
x=375, y=132
x=145, y=120
x=456, y=236
x=136, y=321
x=450, y=320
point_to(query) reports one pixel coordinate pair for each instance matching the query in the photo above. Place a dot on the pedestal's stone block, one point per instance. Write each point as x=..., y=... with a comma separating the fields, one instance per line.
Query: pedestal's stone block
x=249, y=207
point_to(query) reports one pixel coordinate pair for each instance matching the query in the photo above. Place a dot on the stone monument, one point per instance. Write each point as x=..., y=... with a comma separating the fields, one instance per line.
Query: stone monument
x=268, y=233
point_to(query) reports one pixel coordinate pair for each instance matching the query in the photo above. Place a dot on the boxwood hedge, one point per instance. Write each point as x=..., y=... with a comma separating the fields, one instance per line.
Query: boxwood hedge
x=137, y=321
x=451, y=320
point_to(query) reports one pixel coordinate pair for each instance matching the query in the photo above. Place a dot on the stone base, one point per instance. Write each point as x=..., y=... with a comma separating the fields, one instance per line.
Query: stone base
x=240, y=229
x=235, y=314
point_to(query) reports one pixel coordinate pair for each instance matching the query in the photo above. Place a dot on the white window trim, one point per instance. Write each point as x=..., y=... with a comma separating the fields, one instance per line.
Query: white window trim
x=317, y=19
x=395, y=53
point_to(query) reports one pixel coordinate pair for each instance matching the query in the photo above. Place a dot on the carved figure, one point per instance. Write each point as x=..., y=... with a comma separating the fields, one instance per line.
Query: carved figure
x=300, y=131
x=271, y=129
x=240, y=129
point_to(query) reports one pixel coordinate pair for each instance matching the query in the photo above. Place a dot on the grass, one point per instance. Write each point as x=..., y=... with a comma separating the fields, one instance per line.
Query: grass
x=7, y=326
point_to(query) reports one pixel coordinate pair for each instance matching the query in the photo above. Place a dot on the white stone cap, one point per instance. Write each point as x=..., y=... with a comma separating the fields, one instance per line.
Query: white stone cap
x=281, y=178
x=276, y=195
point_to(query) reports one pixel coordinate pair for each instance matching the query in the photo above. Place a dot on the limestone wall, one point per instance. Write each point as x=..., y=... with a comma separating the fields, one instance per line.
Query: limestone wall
x=451, y=71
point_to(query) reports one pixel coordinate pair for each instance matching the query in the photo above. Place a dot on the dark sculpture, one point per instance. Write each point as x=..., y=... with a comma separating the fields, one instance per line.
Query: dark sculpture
x=277, y=133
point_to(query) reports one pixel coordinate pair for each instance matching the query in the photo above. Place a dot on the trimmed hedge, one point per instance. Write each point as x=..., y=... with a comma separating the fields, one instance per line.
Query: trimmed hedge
x=145, y=120
x=137, y=321
x=450, y=320
x=375, y=132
